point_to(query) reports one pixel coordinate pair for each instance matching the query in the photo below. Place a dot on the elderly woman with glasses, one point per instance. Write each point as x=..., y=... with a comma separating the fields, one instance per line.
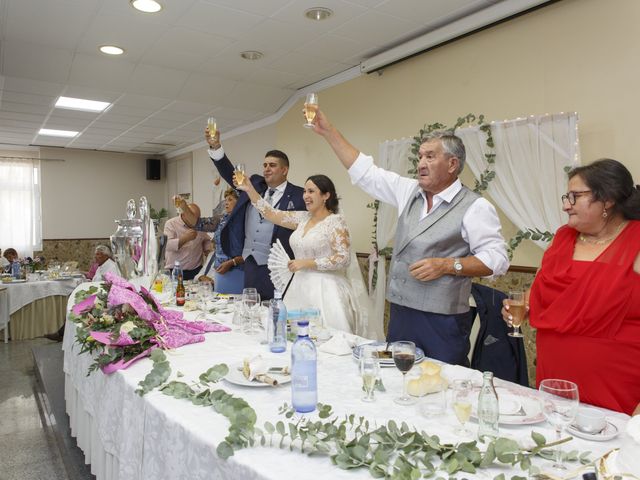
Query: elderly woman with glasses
x=585, y=300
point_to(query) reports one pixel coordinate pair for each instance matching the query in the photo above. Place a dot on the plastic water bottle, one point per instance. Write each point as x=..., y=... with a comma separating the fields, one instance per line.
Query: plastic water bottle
x=277, y=324
x=177, y=272
x=15, y=269
x=488, y=409
x=304, y=381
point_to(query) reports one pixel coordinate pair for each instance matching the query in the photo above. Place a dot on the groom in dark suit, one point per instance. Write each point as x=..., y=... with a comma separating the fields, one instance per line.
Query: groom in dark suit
x=246, y=225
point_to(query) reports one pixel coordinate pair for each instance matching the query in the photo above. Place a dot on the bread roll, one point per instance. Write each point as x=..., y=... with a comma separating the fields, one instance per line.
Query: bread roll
x=430, y=368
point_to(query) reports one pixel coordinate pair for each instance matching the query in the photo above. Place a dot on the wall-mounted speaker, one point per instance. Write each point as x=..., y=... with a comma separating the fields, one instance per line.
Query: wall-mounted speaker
x=154, y=169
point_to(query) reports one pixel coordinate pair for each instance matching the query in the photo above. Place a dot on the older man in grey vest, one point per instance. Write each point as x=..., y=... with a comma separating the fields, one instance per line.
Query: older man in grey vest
x=446, y=235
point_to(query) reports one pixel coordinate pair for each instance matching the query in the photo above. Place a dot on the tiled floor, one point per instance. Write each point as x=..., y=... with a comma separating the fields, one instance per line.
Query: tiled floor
x=28, y=447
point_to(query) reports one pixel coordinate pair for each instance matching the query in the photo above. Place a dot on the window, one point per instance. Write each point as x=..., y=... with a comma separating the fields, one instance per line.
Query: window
x=20, y=208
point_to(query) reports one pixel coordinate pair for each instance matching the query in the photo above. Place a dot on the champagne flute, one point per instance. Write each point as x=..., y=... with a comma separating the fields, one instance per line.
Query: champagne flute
x=176, y=203
x=310, y=108
x=369, y=371
x=517, y=310
x=462, y=404
x=213, y=126
x=239, y=173
x=560, y=400
x=404, y=356
x=251, y=303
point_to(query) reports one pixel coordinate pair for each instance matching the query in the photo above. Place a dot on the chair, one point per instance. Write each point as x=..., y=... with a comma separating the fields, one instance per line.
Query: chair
x=4, y=312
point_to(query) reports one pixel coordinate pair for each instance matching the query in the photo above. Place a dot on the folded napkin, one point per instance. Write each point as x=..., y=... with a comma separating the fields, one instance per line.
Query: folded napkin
x=256, y=369
x=337, y=345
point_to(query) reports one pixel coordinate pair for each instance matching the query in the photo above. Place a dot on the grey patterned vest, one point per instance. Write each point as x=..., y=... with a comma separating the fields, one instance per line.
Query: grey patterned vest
x=437, y=235
x=257, y=236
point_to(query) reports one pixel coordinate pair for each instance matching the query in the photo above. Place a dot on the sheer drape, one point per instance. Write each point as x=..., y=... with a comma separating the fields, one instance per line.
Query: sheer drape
x=531, y=154
x=20, y=210
x=394, y=156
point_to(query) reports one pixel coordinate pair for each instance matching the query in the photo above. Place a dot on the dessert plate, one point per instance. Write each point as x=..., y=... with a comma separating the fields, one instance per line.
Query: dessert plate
x=385, y=361
x=236, y=376
x=517, y=407
x=609, y=432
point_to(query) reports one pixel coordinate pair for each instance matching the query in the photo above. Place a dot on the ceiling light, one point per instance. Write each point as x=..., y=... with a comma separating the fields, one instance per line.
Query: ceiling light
x=146, y=6
x=318, y=13
x=111, y=50
x=81, y=104
x=251, y=55
x=57, y=133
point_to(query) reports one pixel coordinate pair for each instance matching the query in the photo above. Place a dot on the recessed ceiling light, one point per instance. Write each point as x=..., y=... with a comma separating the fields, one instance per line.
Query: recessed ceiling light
x=111, y=50
x=318, y=13
x=251, y=55
x=81, y=104
x=57, y=133
x=146, y=6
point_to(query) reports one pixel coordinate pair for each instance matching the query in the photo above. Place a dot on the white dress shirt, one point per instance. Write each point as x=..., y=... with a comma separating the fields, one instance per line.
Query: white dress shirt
x=108, y=266
x=480, y=223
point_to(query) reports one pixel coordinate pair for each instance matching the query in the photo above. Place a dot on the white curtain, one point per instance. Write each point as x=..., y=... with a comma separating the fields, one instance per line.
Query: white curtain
x=20, y=208
x=394, y=156
x=531, y=154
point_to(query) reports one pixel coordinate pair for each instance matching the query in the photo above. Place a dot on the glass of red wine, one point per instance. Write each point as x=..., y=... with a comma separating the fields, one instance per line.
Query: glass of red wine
x=404, y=356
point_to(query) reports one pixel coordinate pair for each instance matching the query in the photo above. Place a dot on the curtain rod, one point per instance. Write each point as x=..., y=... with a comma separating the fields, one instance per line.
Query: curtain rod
x=34, y=158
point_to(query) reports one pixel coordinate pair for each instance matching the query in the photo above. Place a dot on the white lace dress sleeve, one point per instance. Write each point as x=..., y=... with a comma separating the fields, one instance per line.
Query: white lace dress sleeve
x=288, y=219
x=340, y=243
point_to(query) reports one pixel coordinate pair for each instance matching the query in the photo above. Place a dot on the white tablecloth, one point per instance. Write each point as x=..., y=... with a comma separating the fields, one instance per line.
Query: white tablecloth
x=21, y=294
x=125, y=436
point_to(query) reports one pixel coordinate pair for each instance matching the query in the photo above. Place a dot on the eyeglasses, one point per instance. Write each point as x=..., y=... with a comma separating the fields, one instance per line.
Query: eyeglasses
x=571, y=196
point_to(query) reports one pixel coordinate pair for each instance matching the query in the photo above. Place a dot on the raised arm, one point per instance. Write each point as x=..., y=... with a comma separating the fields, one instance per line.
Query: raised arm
x=345, y=152
x=286, y=219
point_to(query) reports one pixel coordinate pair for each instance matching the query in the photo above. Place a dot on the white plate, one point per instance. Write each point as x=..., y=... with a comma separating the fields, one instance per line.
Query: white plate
x=381, y=346
x=607, y=469
x=236, y=376
x=525, y=401
x=610, y=432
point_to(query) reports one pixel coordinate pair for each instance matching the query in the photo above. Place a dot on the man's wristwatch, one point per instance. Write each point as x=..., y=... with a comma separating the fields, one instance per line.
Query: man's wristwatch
x=457, y=266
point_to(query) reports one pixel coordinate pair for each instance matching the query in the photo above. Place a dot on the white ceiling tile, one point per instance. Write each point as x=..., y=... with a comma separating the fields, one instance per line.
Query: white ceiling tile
x=333, y=47
x=343, y=11
x=253, y=6
x=29, y=99
x=194, y=108
x=223, y=21
x=58, y=24
x=375, y=28
x=36, y=87
x=24, y=108
x=275, y=78
x=301, y=64
x=35, y=62
x=101, y=72
x=171, y=11
x=431, y=12
x=251, y=96
x=157, y=81
x=206, y=88
x=23, y=117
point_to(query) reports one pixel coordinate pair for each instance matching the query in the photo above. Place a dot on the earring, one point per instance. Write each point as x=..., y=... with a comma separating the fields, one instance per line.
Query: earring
x=604, y=213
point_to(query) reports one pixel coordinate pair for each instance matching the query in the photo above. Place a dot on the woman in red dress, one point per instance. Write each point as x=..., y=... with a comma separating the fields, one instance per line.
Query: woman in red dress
x=585, y=300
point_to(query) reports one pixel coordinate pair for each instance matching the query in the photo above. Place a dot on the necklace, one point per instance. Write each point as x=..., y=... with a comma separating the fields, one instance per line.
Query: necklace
x=602, y=241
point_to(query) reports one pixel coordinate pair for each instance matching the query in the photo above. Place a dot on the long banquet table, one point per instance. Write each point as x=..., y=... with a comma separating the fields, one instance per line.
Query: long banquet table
x=36, y=308
x=128, y=437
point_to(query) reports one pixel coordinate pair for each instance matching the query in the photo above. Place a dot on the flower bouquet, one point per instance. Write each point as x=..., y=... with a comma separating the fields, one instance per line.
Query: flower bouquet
x=122, y=325
x=31, y=265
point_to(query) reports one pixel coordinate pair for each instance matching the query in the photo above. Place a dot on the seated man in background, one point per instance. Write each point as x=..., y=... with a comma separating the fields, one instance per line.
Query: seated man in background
x=105, y=263
x=184, y=244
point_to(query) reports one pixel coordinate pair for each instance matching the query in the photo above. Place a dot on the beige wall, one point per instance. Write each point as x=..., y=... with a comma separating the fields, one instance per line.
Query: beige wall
x=573, y=55
x=82, y=195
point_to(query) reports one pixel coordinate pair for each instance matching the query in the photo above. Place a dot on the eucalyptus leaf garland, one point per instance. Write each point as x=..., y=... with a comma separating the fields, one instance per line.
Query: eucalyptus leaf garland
x=390, y=451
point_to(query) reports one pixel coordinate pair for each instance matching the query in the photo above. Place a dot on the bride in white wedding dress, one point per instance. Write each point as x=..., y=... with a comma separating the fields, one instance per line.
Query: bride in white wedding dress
x=324, y=274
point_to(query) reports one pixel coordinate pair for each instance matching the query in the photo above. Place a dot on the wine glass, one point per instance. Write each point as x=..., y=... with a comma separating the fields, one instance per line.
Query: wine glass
x=404, y=356
x=264, y=320
x=213, y=126
x=462, y=404
x=369, y=371
x=203, y=293
x=517, y=310
x=310, y=108
x=239, y=173
x=560, y=400
x=251, y=304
